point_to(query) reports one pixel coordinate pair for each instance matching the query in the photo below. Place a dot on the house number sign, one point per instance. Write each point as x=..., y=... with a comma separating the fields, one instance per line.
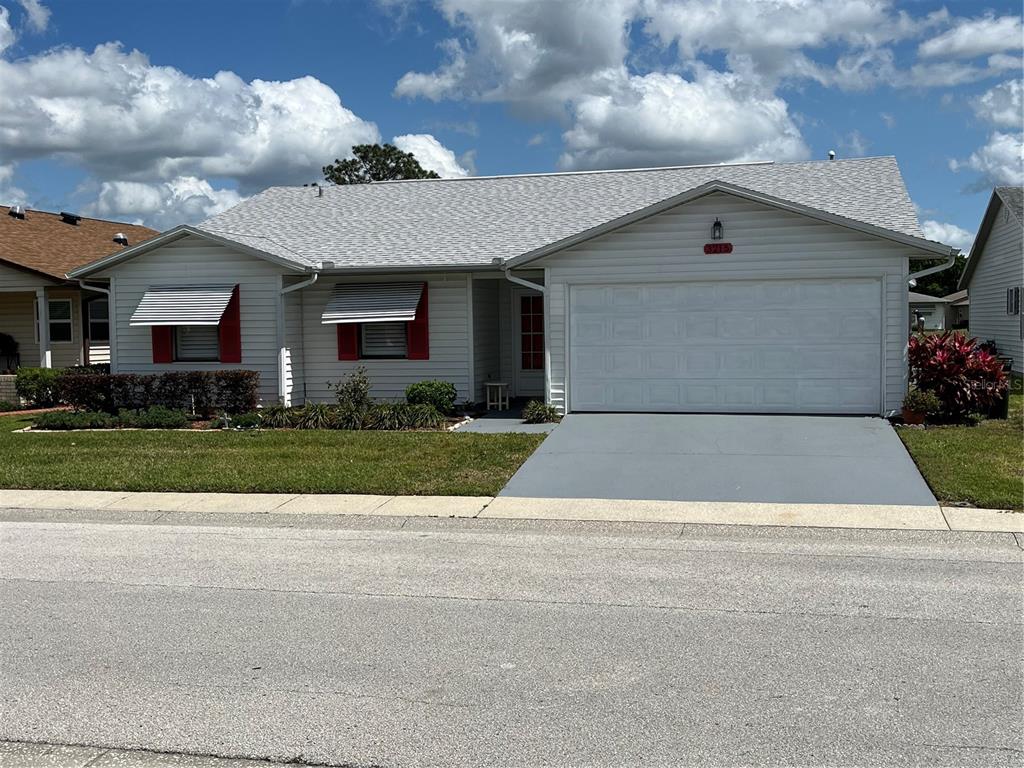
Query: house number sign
x=718, y=248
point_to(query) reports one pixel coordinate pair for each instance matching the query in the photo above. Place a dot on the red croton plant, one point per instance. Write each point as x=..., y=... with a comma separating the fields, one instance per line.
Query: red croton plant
x=965, y=378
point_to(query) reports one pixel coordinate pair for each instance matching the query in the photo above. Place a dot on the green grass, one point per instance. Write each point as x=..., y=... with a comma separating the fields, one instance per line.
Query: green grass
x=387, y=463
x=982, y=465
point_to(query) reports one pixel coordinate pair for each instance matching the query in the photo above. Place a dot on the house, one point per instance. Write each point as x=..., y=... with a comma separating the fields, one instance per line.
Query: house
x=994, y=275
x=927, y=313
x=958, y=309
x=760, y=287
x=51, y=320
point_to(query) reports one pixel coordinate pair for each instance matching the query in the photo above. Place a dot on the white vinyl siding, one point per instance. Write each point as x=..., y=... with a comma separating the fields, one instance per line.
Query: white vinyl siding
x=768, y=244
x=934, y=315
x=1000, y=266
x=194, y=261
x=486, y=343
x=448, y=308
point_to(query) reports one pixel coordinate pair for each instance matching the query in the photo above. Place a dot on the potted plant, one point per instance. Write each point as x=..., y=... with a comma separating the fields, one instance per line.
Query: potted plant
x=918, y=405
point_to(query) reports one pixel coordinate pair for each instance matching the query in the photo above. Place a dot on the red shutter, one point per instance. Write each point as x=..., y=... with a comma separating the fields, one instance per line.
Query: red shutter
x=163, y=343
x=417, y=332
x=348, y=341
x=230, y=331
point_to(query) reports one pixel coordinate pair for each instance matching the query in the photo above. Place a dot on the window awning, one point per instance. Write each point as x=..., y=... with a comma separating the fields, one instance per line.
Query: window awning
x=183, y=305
x=372, y=303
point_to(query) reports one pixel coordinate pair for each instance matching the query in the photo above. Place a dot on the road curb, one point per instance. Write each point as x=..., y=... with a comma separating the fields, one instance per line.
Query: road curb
x=878, y=517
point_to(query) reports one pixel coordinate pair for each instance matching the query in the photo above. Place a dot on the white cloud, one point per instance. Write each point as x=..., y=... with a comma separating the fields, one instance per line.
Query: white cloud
x=663, y=119
x=999, y=162
x=120, y=117
x=888, y=119
x=854, y=144
x=7, y=35
x=948, y=234
x=1001, y=105
x=9, y=193
x=532, y=55
x=38, y=14
x=163, y=204
x=975, y=37
x=432, y=154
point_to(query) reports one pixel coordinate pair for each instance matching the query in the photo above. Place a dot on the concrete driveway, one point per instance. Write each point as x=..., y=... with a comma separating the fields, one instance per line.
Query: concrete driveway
x=722, y=458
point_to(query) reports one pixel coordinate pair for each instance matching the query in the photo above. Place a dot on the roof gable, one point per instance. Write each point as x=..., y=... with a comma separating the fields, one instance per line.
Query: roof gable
x=1010, y=197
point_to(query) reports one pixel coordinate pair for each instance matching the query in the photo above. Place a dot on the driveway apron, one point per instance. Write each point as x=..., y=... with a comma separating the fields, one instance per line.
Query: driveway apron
x=723, y=458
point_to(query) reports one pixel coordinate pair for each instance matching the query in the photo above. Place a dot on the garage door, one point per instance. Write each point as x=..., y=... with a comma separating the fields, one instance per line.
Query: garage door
x=769, y=346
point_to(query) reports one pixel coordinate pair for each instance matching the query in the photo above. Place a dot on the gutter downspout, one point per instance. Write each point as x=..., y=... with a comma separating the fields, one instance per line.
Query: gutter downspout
x=953, y=253
x=282, y=349
x=520, y=281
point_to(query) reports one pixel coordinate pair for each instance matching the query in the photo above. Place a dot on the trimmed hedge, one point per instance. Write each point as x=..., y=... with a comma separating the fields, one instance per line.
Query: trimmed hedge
x=156, y=417
x=200, y=392
x=382, y=416
x=38, y=385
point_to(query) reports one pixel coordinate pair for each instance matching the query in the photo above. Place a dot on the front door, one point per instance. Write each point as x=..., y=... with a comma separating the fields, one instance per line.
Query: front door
x=529, y=343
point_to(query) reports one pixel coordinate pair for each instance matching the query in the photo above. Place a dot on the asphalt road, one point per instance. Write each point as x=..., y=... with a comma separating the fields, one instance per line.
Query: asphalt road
x=422, y=642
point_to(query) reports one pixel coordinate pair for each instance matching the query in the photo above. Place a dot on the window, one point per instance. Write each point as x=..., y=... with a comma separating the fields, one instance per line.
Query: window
x=196, y=343
x=60, y=320
x=1013, y=301
x=382, y=340
x=99, y=320
x=531, y=312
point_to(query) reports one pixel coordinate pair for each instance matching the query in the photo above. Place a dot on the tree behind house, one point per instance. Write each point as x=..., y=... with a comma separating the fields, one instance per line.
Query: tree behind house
x=376, y=162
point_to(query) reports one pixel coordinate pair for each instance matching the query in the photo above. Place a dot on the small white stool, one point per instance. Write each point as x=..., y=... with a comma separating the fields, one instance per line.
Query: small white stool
x=497, y=395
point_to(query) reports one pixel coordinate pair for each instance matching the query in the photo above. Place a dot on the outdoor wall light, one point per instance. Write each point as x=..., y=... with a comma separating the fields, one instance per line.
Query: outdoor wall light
x=717, y=230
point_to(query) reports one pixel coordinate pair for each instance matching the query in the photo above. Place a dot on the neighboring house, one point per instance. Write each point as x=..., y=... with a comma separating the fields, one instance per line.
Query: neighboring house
x=927, y=313
x=53, y=322
x=994, y=275
x=958, y=309
x=759, y=287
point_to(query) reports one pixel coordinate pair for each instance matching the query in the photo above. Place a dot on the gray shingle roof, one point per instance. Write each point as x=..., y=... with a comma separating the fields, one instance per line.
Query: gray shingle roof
x=469, y=222
x=1013, y=198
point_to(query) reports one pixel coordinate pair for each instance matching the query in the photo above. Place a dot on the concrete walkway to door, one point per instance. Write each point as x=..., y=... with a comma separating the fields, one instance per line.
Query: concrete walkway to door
x=723, y=458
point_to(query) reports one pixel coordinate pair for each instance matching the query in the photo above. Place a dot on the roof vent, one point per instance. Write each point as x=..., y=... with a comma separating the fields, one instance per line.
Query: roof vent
x=831, y=154
x=17, y=212
x=120, y=238
x=70, y=218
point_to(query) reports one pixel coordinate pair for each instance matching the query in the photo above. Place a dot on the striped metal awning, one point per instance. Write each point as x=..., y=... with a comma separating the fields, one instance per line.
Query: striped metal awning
x=183, y=305
x=372, y=303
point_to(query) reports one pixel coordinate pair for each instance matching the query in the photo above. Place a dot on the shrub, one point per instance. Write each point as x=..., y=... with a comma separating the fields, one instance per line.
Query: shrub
x=237, y=391
x=440, y=394
x=539, y=412
x=38, y=385
x=922, y=401
x=75, y=420
x=85, y=391
x=276, y=417
x=399, y=416
x=251, y=420
x=965, y=378
x=155, y=417
x=7, y=405
x=313, y=416
x=131, y=391
x=349, y=417
x=354, y=390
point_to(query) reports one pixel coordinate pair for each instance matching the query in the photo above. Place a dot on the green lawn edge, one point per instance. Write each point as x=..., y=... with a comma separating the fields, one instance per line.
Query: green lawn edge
x=980, y=466
x=262, y=461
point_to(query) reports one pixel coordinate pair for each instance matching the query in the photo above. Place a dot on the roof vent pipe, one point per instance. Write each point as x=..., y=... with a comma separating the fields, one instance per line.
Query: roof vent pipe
x=831, y=154
x=17, y=212
x=120, y=238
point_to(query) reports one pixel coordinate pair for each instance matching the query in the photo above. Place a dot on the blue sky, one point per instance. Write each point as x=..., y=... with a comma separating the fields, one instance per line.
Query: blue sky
x=117, y=109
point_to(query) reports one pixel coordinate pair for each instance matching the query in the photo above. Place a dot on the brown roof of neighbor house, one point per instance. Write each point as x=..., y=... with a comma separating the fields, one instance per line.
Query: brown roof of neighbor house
x=47, y=243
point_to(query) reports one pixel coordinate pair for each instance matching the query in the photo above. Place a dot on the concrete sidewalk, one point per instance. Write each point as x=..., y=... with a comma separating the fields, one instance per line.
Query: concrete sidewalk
x=884, y=517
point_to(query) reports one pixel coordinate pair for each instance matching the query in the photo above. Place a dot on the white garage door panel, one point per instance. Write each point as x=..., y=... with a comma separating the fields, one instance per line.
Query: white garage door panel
x=797, y=346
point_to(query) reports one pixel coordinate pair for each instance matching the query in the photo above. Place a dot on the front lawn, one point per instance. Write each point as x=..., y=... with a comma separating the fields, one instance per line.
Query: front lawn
x=982, y=466
x=271, y=461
